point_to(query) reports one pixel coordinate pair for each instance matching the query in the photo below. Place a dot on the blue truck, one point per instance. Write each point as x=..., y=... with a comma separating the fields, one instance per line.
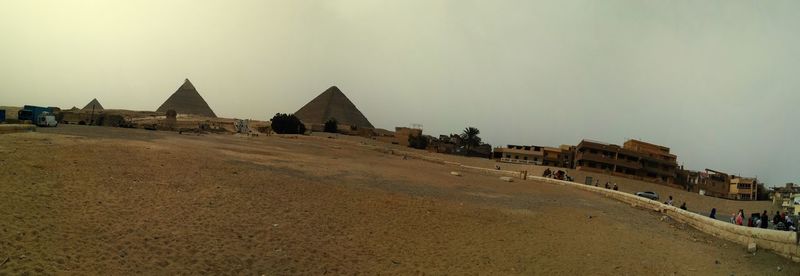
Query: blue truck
x=31, y=112
x=41, y=116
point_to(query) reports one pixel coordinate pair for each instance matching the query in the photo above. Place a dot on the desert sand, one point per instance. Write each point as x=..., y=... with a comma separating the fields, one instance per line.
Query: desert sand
x=85, y=200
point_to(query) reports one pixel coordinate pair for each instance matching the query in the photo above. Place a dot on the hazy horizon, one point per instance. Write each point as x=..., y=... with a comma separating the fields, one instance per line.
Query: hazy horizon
x=713, y=80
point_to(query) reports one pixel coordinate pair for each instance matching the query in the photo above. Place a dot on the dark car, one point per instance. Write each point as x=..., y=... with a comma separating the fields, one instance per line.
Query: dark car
x=650, y=195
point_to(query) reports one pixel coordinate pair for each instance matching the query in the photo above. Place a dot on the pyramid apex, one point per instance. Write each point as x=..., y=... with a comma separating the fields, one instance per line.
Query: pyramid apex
x=186, y=100
x=332, y=103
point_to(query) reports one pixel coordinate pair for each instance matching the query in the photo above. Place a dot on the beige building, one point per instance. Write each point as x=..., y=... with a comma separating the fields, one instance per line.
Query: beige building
x=788, y=197
x=520, y=154
x=743, y=188
x=401, y=135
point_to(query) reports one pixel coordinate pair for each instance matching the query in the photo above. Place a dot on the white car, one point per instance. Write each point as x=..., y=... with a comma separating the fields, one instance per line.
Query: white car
x=650, y=195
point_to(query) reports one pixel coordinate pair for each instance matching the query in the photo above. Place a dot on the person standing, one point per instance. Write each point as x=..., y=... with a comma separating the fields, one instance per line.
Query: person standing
x=764, y=220
x=713, y=214
x=683, y=206
x=669, y=202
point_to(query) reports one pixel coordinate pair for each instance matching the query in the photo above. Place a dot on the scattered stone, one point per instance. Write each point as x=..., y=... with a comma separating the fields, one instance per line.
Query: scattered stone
x=751, y=247
x=779, y=268
x=507, y=179
x=455, y=173
x=664, y=218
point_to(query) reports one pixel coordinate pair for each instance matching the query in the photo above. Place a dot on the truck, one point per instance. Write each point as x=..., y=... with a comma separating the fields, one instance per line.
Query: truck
x=41, y=116
x=46, y=119
x=31, y=112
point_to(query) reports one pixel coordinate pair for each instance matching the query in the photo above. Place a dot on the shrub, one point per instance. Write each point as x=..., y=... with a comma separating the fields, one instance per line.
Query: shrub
x=287, y=124
x=332, y=126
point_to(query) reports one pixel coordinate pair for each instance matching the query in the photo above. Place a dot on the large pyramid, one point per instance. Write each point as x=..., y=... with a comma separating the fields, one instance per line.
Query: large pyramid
x=93, y=105
x=332, y=104
x=187, y=101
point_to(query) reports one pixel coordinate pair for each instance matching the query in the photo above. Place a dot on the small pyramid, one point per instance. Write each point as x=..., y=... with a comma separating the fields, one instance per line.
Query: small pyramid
x=332, y=104
x=93, y=105
x=186, y=100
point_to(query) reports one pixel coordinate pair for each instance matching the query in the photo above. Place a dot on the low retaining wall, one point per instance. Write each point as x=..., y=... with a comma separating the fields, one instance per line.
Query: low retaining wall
x=783, y=243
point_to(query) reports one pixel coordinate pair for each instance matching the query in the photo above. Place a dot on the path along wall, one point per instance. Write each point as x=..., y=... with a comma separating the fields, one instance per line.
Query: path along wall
x=783, y=243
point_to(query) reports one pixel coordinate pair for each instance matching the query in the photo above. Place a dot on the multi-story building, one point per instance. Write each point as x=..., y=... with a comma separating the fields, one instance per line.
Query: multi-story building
x=787, y=197
x=520, y=154
x=551, y=157
x=637, y=160
x=708, y=182
x=656, y=160
x=743, y=188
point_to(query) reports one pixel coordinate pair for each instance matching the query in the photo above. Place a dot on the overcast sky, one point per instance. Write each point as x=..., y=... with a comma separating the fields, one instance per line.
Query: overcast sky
x=717, y=81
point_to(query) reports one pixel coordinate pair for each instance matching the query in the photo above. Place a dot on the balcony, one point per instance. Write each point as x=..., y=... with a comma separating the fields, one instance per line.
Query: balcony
x=599, y=158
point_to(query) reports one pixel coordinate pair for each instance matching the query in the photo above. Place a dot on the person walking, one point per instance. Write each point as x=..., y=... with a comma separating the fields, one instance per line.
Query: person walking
x=615, y=187
x=740, y=217
x=764, y=220
x=669, y=202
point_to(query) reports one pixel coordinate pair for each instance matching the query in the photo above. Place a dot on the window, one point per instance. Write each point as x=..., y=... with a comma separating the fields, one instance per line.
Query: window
x=743, y=186
x=526, y=158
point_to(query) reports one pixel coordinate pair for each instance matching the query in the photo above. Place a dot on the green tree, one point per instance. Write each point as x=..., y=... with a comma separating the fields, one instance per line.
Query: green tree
x=332, y=126
x=470, y=139
x=287, y=124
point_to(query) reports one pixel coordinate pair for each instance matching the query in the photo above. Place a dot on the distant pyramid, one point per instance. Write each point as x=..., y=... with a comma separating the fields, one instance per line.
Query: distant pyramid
x=94, y=103
x=187, y=101
x=332, y=104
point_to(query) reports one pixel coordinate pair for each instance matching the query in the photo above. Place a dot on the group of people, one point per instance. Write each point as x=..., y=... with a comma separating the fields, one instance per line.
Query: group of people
x=670, y=203
x=560, y=175
x=781, y=221
x=608, y=185
x=615, y=188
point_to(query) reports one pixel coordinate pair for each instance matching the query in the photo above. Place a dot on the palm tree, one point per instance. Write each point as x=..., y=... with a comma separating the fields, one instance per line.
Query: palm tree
x=470, y=139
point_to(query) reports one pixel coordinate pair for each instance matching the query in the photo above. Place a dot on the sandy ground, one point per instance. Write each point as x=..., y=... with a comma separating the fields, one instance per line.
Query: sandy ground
x=694, y=201
x=90, y=200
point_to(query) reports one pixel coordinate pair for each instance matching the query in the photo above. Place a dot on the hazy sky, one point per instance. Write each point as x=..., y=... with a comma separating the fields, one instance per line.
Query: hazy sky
x=717, y=81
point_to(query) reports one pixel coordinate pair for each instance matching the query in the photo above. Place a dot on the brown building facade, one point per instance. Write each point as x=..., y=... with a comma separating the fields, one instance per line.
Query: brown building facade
x=636, y=159
x=520, y=154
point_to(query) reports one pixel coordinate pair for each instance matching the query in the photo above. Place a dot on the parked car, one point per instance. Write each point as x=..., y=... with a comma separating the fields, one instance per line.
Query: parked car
x=650, y=195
